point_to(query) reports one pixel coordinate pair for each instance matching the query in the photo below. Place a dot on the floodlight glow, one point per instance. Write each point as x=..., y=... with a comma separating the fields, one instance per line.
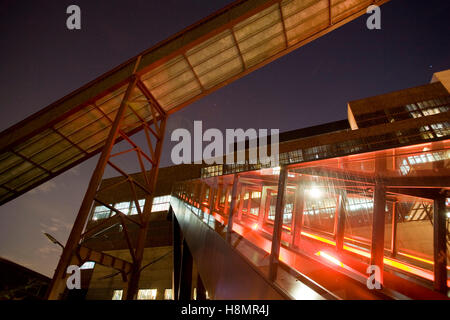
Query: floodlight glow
x=315, y=192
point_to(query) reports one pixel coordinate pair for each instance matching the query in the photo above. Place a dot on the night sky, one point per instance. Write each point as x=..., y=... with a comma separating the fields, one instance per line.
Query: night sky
x=41, y=61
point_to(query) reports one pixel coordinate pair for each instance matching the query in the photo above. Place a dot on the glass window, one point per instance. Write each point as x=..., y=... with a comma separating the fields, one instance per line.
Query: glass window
x=147, y=294
x=88, y=265
x=133, y=206
x=168, y=294
x=101, y=212
x=161, y=203
x=117, y=295
x=123, y=207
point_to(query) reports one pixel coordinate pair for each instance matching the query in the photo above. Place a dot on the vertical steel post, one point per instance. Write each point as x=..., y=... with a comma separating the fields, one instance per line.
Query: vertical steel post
x=394, y=229
x=186, y=274
x=262, y=205
x=232, y=206
x=176, y=234
x=133, y=284
x=340, y=223
x=201, y=291
x=278, y=224
x=379, y=209
x=58, y=283
x=440, y=245
x=298, y=216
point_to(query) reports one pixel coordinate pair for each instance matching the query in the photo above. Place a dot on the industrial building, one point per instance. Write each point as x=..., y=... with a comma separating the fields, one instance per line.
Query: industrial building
x=356, y=209
x=348, y=194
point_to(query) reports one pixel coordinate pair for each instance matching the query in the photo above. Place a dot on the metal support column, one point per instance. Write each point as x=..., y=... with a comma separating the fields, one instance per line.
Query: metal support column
x=278, y=224
x=394, y=229
x=234, y=193
x=379, y=210
x=58, y=284
x=176, y=234
x=298, y=216
x=340, y=223
x=201, y=291
x=263, y=205
x=440, y=245
x=186, y=274
x=93, y=194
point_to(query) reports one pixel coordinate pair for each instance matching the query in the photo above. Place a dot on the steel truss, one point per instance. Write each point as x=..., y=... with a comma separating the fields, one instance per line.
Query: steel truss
x=76, y=251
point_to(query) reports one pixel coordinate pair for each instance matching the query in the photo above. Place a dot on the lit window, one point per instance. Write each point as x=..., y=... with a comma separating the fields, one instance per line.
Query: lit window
x=405, y=168
x=101, y=212
x=356, y=204
x=168, y=294
x=117, y=295
x=276, y=170
x=147, y=294
x=256, y=195
x=123, y=207
x=133, y=206
x=88, y=265
x=161, y=203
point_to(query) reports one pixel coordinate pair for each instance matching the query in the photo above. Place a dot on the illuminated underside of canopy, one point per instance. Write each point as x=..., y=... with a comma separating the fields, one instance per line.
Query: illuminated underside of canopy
x=212, y=53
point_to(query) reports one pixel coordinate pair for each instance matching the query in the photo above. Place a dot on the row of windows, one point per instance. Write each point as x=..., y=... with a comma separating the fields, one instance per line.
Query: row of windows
x=144, y=294
x=150, y=294
x=129, y=207
x=405, y=167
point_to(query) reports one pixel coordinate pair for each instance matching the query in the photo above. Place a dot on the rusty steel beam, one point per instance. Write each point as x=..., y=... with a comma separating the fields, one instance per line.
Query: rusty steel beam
x=88, y=254
x=57, y=286
x=133, y=284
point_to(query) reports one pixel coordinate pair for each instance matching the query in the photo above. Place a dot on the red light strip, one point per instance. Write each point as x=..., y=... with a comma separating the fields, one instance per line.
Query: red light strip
x=392, y=263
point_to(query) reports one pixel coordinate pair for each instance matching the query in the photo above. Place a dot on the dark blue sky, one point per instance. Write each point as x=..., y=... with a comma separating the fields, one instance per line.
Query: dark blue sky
x=41, y=61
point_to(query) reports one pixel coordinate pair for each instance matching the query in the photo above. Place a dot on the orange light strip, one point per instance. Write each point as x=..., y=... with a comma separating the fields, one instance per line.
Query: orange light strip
x=330, y=258
x=395, y=264
x=309, y=235
x=418, y=258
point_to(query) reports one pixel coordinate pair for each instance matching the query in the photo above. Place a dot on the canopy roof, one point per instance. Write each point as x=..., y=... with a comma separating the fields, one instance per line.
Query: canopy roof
x=212, y=53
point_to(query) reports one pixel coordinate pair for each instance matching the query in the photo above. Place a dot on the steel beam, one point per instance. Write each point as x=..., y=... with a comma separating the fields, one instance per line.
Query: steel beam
x=234, y=194
x=278, y=224
x=440, y=245
x=57, y=286
x=297, y=224
x=340, y=222
x=379, y=210
x=186, y=274
x=176, y=234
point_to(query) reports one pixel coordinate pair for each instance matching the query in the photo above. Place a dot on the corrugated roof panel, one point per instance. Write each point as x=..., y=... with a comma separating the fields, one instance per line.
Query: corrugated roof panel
x=52, y=151
x=11, y=164
x=306, y=21
x=177, y=90
x=85, y=131
x=166, y=72
x=96, y=139
x=222, y=47
x=215, y=59
x=64, y=156
x=86, y=116
x=344, y=8
x=223, y=72
x=260, y=36
x=39, y=143
x=72, y=160
x=18, y=181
